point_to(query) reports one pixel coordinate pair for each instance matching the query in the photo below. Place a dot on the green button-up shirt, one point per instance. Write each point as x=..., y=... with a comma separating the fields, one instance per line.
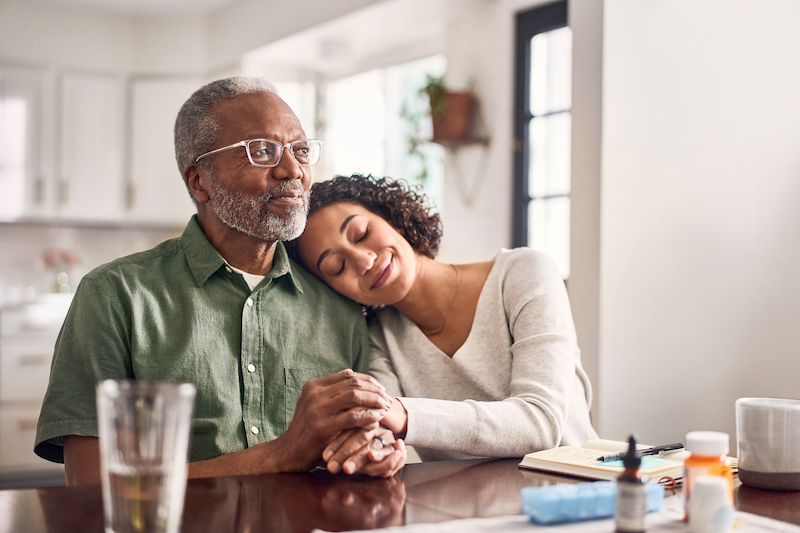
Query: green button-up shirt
x=179, y=313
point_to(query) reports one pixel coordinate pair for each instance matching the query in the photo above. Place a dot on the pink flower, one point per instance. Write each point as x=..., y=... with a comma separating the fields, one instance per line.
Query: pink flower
x=55, y=257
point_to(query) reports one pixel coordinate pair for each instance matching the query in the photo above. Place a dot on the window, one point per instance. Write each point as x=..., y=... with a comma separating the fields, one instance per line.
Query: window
x=368, y=119
x=543, y=132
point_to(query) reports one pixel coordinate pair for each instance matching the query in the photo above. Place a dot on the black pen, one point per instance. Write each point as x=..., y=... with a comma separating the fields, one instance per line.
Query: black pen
x=655, y=450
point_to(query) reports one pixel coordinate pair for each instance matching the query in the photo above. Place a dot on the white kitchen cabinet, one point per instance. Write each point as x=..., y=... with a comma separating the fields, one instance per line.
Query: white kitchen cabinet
x=17, y=434
x=90, y=184
x=25, y=367
x=28, y=335
x=90, y=148
x=26, y=147
x=156, y=189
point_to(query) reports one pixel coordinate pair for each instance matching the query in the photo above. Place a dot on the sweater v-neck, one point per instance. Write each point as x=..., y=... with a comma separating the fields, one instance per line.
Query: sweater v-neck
x=410, y=324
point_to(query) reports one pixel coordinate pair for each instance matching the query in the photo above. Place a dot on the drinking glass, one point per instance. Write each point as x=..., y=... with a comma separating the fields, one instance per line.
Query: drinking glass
x=144, y=439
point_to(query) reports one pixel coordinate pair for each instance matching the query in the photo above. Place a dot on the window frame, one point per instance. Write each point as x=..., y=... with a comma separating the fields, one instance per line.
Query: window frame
x=528, y=24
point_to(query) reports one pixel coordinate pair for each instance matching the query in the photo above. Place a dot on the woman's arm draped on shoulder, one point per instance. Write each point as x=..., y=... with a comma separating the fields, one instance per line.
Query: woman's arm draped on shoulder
x=541, y=378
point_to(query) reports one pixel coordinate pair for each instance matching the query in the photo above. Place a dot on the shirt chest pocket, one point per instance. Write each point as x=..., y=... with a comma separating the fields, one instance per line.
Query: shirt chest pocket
x=295, y=379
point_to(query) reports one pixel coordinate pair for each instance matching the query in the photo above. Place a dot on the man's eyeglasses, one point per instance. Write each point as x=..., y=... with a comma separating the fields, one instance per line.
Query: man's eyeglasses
x=266, y=153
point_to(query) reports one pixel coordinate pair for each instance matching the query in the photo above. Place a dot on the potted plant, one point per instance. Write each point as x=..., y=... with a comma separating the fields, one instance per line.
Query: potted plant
x=451, y=111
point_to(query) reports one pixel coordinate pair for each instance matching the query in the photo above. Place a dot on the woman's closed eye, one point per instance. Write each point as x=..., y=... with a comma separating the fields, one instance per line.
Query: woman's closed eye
x=357, y=240
x=340, y=270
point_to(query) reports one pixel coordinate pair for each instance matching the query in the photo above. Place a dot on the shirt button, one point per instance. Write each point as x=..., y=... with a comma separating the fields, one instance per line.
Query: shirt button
x=249, y=302
x=254, y=430
x=251, y=367
x=228, y=269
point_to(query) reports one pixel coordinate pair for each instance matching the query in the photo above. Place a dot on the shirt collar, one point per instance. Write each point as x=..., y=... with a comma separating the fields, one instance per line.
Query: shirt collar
x=281, y=265
x=204, y=260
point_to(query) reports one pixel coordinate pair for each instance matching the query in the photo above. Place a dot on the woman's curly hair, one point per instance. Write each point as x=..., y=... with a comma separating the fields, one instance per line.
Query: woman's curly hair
x=402, y=205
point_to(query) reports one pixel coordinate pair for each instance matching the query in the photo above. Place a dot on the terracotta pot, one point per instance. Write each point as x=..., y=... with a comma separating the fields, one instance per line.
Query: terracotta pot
x=457, y=120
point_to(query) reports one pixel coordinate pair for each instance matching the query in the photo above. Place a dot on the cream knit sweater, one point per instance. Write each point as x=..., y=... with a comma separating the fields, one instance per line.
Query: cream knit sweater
x=515, y=386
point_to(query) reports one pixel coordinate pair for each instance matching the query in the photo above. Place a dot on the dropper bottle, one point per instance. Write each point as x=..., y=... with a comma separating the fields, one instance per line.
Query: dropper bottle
x=631, y=494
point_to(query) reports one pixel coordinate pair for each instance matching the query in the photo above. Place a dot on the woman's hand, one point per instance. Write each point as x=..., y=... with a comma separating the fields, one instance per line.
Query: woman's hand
x=396, y=418
x=367, y=451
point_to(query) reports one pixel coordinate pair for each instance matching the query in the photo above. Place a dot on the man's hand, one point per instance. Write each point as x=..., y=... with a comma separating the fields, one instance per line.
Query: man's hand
x=370, y=451
x=327, y=407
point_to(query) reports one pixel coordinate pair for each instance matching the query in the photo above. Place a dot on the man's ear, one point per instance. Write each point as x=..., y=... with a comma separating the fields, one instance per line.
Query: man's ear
x=197, y=181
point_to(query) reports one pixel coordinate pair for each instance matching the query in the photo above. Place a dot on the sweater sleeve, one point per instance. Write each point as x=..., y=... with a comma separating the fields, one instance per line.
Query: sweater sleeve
x=380, y=365
x=538, y=367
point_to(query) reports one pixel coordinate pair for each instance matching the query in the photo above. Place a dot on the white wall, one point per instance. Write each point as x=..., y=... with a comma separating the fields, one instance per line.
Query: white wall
x=700, y=232
x=83, y=39
x=40, y=34
x=478, y=182
x=248, y=24
x=586, y=21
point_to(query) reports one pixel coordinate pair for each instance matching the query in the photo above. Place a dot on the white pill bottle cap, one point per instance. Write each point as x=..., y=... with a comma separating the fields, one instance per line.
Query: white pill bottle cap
x=707, y=442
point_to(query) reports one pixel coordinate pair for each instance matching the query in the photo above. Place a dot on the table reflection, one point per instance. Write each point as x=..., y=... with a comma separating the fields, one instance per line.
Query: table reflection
x=293, y=502
x=477, y=488
x=781, y=505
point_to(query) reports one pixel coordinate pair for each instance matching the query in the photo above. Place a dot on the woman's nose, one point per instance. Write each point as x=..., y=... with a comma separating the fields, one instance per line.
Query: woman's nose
x=364, y=260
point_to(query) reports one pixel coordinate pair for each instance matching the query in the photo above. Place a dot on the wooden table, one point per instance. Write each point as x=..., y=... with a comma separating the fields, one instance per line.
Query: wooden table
x=428, y=492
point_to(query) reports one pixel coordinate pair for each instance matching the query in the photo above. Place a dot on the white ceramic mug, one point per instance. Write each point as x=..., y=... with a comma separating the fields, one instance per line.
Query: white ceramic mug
x=768, y=435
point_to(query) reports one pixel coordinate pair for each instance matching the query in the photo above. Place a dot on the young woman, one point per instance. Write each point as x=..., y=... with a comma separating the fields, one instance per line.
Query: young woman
x=482, y=358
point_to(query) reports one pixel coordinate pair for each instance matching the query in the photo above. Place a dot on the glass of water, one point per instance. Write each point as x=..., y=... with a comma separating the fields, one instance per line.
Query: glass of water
x=144, y=429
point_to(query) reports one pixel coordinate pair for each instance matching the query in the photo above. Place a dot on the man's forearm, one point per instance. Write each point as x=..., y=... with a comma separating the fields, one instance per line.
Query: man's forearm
x=82, y=461
x=265, y=458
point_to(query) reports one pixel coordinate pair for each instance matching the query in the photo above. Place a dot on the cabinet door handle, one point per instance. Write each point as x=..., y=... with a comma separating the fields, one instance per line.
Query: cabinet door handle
x=34, y=359
x=27, y=424
x=130, y=195
x=39, y=190
x=63, y=192
x=35, y=327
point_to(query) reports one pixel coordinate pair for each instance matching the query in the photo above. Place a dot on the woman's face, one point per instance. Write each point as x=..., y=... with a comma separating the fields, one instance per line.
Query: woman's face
x=358, y=254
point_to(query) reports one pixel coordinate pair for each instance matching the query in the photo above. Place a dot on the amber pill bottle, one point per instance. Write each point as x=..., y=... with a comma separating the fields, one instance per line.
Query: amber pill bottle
x=708, y=456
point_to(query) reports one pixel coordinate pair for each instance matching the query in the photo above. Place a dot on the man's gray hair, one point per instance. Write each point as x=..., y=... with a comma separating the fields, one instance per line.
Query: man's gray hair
x=195, y=129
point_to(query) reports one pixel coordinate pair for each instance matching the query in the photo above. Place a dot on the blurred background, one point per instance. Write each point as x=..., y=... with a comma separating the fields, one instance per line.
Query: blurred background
x=652, y=148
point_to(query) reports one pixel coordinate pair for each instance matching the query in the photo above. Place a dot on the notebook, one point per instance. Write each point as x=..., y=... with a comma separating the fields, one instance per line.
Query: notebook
x=582, y=462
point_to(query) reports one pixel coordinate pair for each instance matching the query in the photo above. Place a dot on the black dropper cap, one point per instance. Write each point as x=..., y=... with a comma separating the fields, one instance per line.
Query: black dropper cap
x=631, y=459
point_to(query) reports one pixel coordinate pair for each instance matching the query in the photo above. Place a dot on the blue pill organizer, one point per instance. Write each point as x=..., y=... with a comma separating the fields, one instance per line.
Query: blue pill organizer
x=553, y=504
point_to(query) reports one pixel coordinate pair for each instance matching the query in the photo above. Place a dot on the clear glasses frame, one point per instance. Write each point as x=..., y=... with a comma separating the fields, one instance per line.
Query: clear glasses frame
x=313, y=143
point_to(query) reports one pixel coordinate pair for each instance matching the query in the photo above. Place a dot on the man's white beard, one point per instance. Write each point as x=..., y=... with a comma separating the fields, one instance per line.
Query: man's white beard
x=251, y=214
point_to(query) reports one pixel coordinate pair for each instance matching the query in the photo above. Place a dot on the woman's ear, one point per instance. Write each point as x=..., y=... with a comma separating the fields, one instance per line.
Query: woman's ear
x=197, y=181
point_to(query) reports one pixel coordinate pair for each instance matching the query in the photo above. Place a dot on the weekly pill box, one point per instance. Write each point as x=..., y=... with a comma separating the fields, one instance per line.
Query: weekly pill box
x=553, y=504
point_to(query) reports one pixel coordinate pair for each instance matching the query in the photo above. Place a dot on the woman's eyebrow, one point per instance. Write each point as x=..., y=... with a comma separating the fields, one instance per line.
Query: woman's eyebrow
x=343, y=227
x=346, y=222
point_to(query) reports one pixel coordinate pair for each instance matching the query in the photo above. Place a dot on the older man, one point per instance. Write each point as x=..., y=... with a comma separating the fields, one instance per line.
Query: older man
x=268, y=346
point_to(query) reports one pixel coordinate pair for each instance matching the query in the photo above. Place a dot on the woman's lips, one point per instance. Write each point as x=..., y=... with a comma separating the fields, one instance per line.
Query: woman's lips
x=383, y=275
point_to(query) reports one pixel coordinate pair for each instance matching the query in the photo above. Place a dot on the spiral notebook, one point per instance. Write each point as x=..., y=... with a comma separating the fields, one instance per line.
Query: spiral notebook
x=582, y=462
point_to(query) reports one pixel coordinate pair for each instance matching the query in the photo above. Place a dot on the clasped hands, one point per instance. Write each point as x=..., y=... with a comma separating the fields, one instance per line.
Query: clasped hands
x=372, y=449
x=346, y=418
